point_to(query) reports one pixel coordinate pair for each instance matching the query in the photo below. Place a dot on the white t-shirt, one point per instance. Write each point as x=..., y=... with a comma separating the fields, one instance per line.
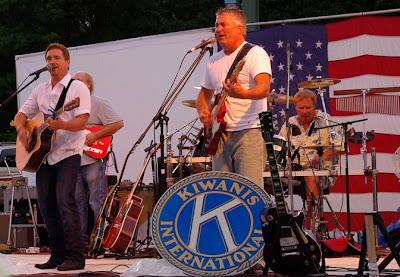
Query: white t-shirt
x=43, y=98
x=241, y=114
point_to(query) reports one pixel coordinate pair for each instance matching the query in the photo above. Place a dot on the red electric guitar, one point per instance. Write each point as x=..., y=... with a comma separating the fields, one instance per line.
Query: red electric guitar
x=122, y=229
x=212, y=135
x=100, y=148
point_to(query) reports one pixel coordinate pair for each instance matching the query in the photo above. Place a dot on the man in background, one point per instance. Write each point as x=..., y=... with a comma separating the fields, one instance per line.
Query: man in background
x=92, y=183
x=306, y=141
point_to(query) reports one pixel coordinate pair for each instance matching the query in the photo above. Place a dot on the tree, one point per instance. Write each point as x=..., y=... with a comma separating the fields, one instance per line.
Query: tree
x=28, y=26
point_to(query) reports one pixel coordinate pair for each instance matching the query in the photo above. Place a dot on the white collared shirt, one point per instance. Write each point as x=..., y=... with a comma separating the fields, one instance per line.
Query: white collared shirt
x=45, y=97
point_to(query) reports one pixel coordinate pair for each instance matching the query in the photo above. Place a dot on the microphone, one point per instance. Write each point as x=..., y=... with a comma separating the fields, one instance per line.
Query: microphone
x=295, y=130
x=211, y=40
x=311, y=129
x=37, y=72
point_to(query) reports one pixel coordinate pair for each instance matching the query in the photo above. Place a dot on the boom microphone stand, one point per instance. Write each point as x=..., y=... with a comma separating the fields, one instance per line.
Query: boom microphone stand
x=161, y=117
x=37, y=74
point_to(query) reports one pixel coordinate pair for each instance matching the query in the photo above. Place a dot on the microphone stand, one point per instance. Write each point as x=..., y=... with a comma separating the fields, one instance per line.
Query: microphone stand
x=161, y=117
x=346, y=151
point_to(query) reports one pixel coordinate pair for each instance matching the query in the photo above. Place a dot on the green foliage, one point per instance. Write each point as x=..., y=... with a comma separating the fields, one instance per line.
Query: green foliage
x=28, y=26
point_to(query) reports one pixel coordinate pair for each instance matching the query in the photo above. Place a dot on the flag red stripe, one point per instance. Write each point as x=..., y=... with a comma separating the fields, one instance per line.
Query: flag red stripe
x=386, y=182
x=366, y=64
x=357, y=220
x=370, y=25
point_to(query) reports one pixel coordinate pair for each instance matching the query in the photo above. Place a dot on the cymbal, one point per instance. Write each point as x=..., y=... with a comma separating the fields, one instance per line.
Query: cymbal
x=279, y=98
x=189, y=103
x=319, y=83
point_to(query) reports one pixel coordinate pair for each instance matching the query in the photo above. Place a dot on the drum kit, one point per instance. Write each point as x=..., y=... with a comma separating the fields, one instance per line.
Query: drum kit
x=280, y=146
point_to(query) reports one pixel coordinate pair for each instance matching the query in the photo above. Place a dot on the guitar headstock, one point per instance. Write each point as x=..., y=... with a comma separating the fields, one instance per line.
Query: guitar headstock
x=267, y=125
x=72, y=105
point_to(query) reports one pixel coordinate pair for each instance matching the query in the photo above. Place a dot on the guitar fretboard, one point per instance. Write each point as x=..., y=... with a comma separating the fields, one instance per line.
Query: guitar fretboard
x=268, y=131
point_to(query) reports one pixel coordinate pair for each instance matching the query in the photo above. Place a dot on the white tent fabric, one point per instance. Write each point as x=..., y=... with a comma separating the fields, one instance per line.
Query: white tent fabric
x=134, y=75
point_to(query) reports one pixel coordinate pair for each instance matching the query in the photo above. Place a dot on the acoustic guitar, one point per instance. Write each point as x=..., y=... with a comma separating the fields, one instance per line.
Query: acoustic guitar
x=289, y=249
x=213, y=135
x=122, y=229
x=40, y=140
x=103, y=222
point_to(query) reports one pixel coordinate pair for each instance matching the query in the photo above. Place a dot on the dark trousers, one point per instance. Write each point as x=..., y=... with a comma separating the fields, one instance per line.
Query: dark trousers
x=56, y=197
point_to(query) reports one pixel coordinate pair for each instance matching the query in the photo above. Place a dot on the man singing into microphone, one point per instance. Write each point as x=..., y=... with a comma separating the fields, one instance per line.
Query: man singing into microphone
x=56, y=178
x=306, y=139
x=241, y=148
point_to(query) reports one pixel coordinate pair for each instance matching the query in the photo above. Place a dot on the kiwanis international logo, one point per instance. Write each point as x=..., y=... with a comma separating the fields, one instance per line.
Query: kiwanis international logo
x=209, y=224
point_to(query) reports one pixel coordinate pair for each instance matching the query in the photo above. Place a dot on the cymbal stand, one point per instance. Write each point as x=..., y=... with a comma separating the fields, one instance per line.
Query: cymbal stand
x=346, y=151
x=170, y=153
x=364, y=136
x=288, y=128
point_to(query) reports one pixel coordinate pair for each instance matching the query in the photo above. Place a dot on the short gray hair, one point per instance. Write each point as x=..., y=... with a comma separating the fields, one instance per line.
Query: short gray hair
x=237, y=15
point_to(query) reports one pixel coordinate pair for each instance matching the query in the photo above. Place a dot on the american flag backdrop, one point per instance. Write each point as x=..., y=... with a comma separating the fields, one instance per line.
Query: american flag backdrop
x=364, y=53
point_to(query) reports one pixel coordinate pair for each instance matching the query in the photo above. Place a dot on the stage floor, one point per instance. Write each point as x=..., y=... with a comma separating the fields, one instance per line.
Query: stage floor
x=24, y=264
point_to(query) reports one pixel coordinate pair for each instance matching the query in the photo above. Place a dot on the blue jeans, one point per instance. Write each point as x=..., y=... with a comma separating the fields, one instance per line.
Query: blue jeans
x=242, y=152
x=91, y=186
x=56, y=197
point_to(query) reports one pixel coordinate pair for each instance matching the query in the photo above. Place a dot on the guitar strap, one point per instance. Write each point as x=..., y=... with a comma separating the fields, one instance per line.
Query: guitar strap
x=245, y=49
x=61, y=100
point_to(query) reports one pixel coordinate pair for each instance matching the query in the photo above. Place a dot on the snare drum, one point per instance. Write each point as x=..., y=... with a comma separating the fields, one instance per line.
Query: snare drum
x=280, y=147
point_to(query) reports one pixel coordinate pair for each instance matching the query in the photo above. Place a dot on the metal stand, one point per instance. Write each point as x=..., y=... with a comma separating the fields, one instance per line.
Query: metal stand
x=374, y=218
x=161, y=117
x=346, y=151
x=36, y=240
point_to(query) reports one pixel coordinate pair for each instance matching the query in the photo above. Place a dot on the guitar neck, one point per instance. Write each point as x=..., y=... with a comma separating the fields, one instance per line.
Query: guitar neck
x=145, y=163
x=276, y=182
x=67, y=107
x=232, y=78
x=267, y=129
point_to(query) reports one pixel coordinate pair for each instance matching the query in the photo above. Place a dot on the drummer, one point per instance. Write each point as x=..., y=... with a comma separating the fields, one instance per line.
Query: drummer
x=305, y=140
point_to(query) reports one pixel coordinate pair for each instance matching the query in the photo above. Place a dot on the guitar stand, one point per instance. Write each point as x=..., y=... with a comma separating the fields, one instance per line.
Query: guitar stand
x=374, y=218
x=302, y=247
x=133, y=253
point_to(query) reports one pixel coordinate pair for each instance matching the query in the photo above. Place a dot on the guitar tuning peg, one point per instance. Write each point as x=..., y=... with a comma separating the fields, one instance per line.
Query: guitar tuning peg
x=275, y=122
x=275, y=116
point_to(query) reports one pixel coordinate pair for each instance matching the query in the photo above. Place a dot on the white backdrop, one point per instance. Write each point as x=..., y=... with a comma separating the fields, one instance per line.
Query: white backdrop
x=134, y=75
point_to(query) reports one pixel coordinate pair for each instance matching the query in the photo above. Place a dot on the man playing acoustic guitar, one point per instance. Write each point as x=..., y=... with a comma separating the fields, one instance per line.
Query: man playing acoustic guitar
x=57, y=175
x=241, y=148
x=92, y=183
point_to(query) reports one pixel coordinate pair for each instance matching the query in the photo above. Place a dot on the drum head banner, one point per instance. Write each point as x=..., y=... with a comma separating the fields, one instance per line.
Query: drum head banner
x=209, y=224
